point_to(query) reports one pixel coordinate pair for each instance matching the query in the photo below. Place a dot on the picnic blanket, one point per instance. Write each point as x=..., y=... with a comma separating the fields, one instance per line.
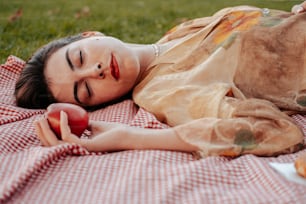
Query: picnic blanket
x=31, y=173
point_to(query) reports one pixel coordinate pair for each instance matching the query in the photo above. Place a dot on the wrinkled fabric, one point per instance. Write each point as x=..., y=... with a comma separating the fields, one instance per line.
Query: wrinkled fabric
x=228, y=80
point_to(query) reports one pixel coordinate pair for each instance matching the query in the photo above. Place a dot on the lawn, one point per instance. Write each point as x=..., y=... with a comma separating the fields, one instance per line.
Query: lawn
x=141, y=21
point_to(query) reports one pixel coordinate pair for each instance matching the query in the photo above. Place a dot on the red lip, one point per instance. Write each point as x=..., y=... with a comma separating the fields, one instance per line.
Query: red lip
x=114, y=68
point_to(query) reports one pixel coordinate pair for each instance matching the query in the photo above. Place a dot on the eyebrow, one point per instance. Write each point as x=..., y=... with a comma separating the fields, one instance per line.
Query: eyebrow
x=68, y=60
x=75, y=86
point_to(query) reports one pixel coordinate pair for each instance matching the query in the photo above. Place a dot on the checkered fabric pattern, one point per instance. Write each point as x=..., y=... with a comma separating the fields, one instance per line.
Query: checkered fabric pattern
x=30, y=173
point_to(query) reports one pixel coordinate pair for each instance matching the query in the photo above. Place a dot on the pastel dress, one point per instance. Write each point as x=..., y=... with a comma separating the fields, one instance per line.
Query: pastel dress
x=230, y=80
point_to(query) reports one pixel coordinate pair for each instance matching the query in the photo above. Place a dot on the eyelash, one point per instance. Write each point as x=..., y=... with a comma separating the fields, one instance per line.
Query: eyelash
x=88, y=89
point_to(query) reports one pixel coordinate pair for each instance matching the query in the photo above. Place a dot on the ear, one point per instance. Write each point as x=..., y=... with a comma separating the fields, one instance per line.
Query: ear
x=91, y=34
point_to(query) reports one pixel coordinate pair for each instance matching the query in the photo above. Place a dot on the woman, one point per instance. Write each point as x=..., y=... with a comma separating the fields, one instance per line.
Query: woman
x=218, y=81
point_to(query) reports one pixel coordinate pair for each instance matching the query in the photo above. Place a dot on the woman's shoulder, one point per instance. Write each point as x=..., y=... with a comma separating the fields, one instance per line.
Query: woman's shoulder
x=190, y=26
x=227, y=10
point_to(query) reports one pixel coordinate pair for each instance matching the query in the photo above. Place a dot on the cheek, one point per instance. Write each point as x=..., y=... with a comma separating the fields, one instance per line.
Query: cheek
x=105, y=94
x=130, y=60
x=131, y=70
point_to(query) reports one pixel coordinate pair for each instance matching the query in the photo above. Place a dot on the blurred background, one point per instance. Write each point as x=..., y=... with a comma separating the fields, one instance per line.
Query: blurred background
x=26, y=25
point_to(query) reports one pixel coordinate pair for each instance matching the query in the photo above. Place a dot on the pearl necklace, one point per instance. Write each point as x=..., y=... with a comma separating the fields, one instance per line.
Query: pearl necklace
x=156, y=50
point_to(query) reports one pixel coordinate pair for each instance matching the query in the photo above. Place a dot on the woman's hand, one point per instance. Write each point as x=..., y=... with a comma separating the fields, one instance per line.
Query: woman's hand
x=106, y=131
x=48, y=137
x=107, y=136
x=296, y=9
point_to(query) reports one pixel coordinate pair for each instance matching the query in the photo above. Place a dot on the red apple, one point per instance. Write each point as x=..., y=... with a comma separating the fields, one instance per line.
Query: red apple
x=77, y=118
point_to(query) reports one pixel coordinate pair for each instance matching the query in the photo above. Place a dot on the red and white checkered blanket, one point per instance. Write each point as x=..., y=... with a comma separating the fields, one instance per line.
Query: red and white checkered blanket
x=30, y=173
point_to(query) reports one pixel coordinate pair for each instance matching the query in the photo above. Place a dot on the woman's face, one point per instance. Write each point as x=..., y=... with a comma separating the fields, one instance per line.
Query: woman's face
x=92, y=71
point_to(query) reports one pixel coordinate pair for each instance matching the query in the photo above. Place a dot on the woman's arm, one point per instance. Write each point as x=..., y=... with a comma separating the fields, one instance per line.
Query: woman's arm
x=113, y=137
x=250, y=126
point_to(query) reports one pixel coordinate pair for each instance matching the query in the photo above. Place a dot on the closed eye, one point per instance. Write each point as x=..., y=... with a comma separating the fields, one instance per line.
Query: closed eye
x=88, y=89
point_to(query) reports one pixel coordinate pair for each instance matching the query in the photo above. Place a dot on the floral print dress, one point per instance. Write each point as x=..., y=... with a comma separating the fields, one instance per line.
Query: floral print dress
x=230, y=80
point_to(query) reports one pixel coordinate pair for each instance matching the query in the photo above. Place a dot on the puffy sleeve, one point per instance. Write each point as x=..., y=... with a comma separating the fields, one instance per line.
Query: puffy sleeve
x=189, y=27
x=250, y=126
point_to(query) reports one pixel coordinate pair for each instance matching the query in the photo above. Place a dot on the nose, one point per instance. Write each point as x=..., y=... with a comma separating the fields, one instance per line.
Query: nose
x=94, y=71
x=98, y=70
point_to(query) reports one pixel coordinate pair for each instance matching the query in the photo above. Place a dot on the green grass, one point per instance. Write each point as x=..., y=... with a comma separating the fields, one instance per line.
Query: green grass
x=139, y=21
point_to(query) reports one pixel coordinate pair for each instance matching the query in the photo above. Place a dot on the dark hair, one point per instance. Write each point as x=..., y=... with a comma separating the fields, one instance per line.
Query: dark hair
x=31, y=89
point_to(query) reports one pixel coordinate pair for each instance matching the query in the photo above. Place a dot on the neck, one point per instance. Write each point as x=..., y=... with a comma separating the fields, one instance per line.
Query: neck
x=144, y=52
x=147, y=54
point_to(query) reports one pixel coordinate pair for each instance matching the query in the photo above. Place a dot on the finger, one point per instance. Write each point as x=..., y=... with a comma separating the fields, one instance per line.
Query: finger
x=97, y=127
x=94, y=129
x=40, y=134
x=94, y=125
x=101, y=125
x=49, y=134
x=66, y=131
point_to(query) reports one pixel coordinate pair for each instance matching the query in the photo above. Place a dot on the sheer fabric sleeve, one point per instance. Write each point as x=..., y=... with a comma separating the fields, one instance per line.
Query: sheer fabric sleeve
x=250, y=126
